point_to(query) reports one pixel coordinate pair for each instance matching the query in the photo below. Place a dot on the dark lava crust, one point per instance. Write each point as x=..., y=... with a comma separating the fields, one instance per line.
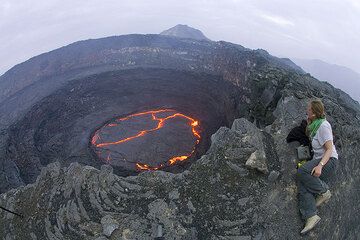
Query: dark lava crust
x=148, y=140
x=59, y=127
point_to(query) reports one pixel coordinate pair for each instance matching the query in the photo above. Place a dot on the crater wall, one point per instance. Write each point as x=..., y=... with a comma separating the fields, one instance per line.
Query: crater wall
x=59, y=127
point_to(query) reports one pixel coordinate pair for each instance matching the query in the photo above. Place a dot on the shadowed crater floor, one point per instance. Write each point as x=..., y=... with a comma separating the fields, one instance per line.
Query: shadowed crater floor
x=80, y=121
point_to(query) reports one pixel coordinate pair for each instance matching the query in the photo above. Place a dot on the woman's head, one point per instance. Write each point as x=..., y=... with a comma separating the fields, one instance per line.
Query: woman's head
x=315, y=109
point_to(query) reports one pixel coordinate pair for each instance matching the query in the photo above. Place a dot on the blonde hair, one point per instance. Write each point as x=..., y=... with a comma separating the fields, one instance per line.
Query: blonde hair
x=317, y=107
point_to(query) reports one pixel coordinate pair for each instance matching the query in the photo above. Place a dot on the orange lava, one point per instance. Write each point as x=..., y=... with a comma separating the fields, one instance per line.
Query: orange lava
x=194, y=124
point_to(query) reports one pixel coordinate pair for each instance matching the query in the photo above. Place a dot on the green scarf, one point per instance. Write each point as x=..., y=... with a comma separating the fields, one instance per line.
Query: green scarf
x=314, y=126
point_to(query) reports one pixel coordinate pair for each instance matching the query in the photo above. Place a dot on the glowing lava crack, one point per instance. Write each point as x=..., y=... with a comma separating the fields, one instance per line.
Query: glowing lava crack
x=131, y=129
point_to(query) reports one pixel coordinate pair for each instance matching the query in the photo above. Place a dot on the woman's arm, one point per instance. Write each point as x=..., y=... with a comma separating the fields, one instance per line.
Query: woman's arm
x=328, y=150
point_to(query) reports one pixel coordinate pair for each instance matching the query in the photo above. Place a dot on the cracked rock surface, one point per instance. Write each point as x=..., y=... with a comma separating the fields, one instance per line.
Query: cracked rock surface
x=241, y=184
x=217, y=198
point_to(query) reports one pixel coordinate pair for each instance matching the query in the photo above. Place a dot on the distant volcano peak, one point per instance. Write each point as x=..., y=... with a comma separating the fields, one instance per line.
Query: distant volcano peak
x=184, y=31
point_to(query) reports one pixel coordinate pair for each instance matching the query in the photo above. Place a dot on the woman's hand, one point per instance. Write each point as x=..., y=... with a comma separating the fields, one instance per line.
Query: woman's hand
x=316, y=172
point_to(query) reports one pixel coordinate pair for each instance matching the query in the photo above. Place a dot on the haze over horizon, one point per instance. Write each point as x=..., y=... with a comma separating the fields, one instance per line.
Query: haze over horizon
x=322, y=29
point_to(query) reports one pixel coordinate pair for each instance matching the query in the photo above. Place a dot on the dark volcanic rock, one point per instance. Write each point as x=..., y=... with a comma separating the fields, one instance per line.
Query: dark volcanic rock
x=157, y=138
x=47, y=86
x=59, y=127
x=241, y=183
x=209, y=201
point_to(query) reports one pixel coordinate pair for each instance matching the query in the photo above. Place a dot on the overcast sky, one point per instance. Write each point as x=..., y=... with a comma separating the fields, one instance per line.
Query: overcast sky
x=315, y=29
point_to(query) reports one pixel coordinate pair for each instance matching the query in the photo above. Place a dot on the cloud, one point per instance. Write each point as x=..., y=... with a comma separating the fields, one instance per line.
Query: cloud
x=5, y=6
x=298, y=40
x=355, y=3
x=276, y=19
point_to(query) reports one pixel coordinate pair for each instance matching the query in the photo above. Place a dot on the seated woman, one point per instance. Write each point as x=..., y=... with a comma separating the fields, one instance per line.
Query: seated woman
x=314, y=174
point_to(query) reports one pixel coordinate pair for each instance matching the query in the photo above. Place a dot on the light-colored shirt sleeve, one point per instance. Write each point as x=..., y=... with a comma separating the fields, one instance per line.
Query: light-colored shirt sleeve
x=325, y=133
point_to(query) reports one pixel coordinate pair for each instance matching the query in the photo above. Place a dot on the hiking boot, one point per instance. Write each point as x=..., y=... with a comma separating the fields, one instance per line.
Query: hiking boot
x=310, y=223
x=323, y=198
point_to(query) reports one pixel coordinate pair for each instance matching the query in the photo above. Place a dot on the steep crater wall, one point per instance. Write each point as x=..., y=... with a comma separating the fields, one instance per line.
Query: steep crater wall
x=52, y=105
x=60, y=127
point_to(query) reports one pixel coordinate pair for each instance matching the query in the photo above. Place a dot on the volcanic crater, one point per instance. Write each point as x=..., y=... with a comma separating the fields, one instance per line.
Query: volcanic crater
x=135, y=120
x=83, y=102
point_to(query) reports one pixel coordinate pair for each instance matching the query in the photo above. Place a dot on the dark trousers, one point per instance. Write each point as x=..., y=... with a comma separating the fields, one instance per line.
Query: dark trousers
x=309, y=186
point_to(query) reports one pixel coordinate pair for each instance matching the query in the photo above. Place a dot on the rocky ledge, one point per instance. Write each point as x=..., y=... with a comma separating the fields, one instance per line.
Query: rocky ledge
x=242, y=188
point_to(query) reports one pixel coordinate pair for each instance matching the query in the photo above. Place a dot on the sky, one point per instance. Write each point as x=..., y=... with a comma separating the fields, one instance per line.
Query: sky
x=313, y=29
